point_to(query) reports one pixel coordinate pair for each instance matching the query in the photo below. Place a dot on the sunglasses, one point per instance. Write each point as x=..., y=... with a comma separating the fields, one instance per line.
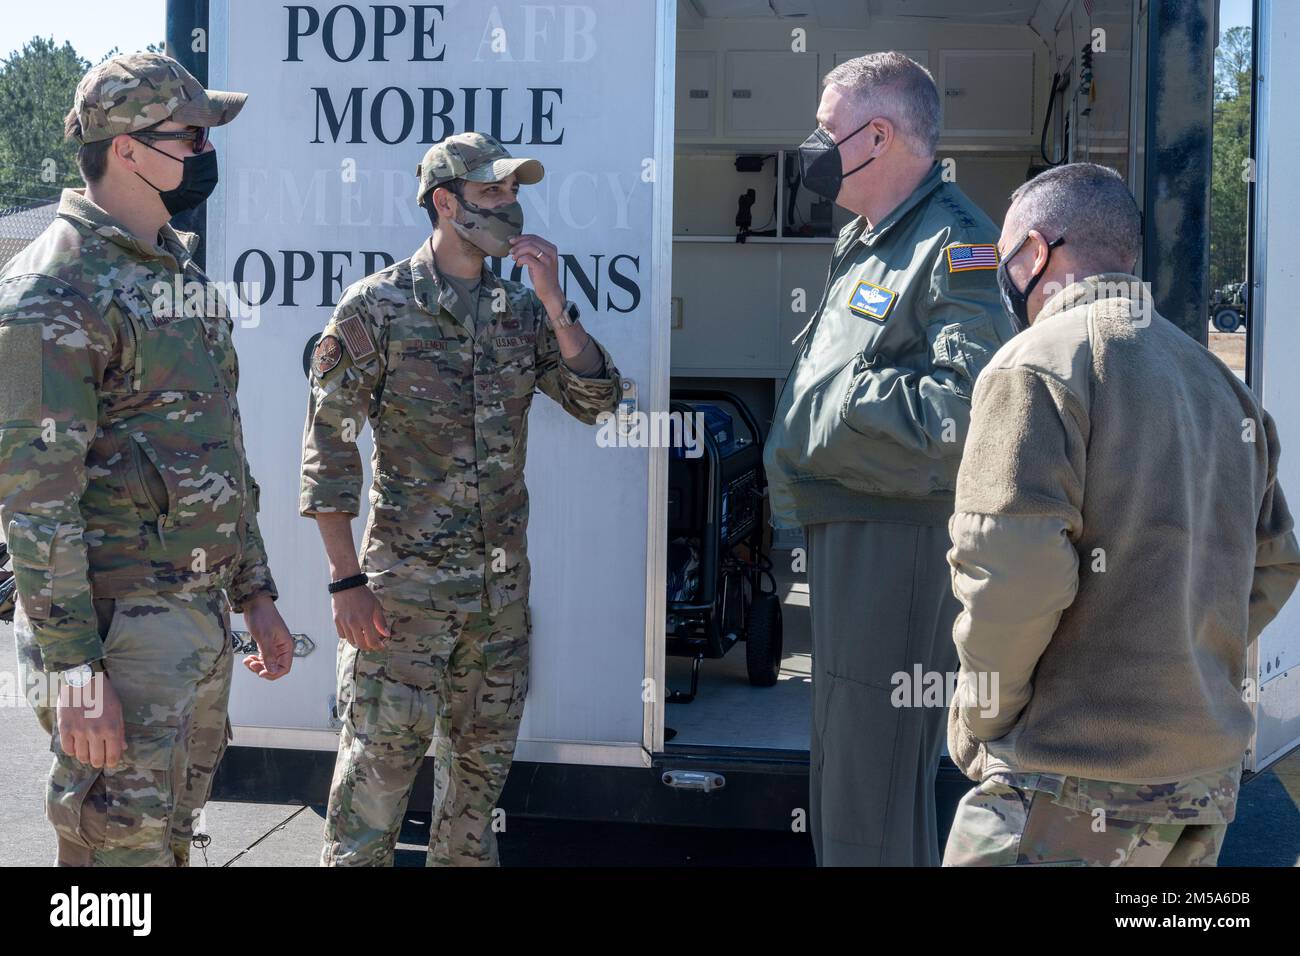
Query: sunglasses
x=196, y=136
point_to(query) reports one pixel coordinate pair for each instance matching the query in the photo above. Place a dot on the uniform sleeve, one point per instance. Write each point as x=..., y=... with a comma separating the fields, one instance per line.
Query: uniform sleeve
x=1277, y=555
x=54, y=349
x=583, y=397
x=254, y=575
x=342, y=391
x=1013, y=559
x=928, y=411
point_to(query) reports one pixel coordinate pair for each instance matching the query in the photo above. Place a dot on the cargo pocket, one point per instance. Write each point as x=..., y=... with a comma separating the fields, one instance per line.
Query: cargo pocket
x=346, y=685
x=123, y=814
x=140, y=793
x=32, y=541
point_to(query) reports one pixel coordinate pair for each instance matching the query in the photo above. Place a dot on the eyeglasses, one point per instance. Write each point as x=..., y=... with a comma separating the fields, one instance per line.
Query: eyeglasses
x=197, y=136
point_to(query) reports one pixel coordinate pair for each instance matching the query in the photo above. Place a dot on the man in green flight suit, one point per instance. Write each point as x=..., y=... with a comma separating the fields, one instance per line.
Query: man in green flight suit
x=864, y=449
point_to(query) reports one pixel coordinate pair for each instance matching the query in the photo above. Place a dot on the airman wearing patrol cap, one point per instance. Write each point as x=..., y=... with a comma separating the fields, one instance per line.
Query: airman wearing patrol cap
x=442, y=357
x=126, y=499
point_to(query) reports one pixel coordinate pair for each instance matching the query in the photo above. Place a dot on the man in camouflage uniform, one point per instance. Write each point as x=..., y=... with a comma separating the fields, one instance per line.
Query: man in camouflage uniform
x=125, y=496
x=442, y=357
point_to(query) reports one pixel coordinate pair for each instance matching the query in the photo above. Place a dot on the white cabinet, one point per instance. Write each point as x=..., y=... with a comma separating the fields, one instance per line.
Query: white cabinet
x=920, y=56
x=696, y=88
x=772, y=94
x=987, y=92
x=729, y=299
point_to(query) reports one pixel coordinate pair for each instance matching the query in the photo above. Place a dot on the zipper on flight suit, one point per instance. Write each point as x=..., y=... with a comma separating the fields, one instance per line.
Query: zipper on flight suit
x=811, y=327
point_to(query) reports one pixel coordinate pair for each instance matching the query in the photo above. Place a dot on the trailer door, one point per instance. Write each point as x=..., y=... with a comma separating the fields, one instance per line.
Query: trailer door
x=318, y=188
x=1274, y=343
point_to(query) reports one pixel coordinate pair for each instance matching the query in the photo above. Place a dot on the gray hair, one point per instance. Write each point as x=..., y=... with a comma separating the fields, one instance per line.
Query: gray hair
x=1090, y=206
x=895, y=87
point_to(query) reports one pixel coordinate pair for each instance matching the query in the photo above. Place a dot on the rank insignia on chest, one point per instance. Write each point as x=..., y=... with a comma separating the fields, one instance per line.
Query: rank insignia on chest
x=968, y=258
x=871, y=301
x=326, y=356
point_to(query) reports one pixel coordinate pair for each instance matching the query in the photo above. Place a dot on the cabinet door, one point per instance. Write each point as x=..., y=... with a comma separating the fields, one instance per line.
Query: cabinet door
x=920, y=56
x=729, y=295
x=803, y=267
x=769, y=93
x=696, y=72
x=987, y=92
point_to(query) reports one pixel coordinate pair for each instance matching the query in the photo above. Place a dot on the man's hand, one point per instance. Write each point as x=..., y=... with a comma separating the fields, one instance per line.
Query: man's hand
x=359, y=619
x=90, y=722
x=542, y=260
x=274, y=654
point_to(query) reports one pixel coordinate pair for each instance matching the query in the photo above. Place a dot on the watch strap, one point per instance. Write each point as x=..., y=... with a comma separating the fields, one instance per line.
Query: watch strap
x=347, y=584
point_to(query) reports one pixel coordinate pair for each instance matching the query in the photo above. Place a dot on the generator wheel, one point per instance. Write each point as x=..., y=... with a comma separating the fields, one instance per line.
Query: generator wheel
x=763, y=641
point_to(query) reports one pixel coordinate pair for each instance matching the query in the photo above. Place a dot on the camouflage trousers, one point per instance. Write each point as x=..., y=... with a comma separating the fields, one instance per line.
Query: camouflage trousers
x=1001, y=825
x=451, y=679
x=168, y=658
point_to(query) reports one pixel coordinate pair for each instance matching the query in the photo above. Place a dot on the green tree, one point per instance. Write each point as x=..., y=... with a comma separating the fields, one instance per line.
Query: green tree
x=37, y=85
x=36, y=88
x=1229, y=188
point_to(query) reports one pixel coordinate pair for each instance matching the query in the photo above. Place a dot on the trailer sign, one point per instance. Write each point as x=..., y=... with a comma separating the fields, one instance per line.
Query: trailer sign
x=318, y=189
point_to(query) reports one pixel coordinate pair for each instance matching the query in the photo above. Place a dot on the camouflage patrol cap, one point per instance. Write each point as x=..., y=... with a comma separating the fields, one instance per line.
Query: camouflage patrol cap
x=136, y=90
x=473, y=156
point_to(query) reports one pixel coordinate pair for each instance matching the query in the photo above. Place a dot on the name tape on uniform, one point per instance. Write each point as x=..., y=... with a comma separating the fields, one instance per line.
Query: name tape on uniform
x=871, y=300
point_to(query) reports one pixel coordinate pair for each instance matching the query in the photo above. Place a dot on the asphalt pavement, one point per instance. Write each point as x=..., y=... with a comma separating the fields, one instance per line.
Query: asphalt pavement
x=1266, y=832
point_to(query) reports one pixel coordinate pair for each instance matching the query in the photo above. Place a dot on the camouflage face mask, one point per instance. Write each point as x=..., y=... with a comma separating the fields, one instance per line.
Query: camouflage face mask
x=490, y=229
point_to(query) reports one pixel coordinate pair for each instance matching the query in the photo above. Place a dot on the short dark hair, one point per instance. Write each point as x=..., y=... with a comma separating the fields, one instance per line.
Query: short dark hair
x=1091, y=206
x=455, y=186
x=92, y=158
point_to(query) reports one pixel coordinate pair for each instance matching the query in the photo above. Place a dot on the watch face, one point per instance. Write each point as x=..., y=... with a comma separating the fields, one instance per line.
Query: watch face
x=78, y=676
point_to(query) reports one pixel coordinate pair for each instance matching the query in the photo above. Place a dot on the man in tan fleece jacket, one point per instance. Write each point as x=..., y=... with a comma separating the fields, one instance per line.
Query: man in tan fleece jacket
x=1119, y=539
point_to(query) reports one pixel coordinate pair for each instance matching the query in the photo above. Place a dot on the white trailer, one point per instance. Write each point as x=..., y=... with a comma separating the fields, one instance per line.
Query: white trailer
x=640, y=111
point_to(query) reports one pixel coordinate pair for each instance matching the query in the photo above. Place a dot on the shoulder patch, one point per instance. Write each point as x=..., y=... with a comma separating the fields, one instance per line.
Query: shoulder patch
x=327, y=355
x=969, y=258
x=356, y=337
x=871, y=300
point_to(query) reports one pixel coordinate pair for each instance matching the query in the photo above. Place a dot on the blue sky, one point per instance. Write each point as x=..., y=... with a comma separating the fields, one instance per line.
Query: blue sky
x=95, y=26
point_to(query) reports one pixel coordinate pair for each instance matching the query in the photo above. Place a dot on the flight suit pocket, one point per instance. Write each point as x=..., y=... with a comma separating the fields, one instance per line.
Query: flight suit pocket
x=965, y=348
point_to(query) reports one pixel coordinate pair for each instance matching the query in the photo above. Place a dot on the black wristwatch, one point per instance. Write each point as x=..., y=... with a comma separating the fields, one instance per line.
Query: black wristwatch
x=568, y=315
x=347, y=584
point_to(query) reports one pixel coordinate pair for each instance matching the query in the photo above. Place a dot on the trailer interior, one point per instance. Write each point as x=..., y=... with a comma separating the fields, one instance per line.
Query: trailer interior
x=1023, y=84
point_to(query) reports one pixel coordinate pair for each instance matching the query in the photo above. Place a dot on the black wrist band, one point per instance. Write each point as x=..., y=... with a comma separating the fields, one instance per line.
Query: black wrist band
x=356, y=581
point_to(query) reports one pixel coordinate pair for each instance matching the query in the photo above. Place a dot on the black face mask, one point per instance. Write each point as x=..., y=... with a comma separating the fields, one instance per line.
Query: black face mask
x=1013, y=300
x=820, y=164
x=198, y=179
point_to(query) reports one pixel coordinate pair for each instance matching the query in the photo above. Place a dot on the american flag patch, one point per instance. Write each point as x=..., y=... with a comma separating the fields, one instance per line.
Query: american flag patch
x=968, y=258
x=356, y=338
